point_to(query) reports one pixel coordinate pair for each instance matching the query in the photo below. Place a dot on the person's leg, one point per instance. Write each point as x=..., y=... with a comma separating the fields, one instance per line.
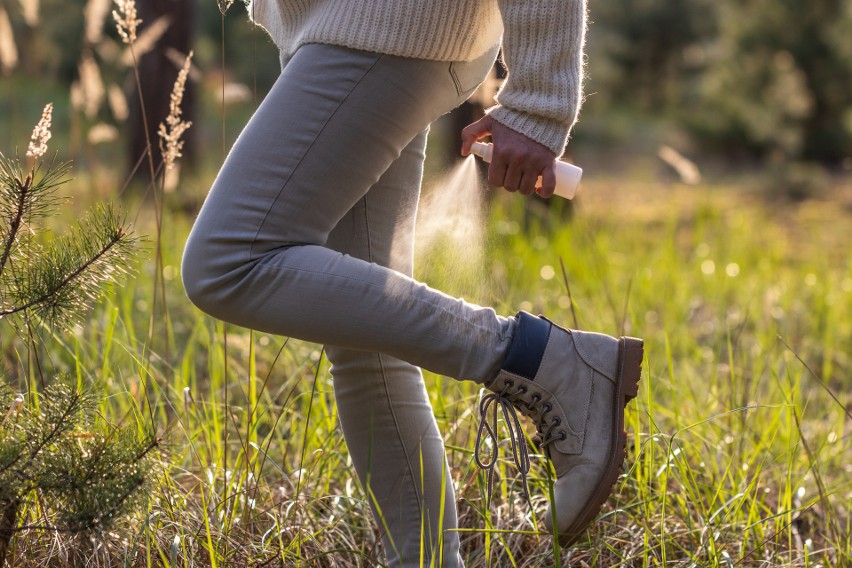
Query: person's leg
x=384, y=409
x=315, y=201
x=333, y=123
x=330, y=127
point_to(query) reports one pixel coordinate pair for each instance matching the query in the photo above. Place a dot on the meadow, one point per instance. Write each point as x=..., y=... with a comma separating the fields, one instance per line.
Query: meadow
x=739, y=450
x=739, y=441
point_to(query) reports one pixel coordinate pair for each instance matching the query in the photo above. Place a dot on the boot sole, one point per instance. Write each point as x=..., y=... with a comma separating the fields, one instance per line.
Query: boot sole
x=630, y=354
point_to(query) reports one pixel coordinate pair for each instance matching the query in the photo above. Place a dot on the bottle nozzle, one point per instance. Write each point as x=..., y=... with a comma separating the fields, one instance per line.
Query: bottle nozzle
x=482, y=150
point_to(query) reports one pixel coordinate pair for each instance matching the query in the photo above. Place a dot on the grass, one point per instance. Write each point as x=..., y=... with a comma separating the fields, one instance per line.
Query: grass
x=738, y=453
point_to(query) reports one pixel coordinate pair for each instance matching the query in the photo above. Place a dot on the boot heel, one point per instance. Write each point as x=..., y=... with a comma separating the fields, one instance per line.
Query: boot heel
x=632, y=351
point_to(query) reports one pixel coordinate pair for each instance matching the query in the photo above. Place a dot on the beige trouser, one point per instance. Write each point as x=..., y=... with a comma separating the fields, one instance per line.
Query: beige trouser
x=308, y=231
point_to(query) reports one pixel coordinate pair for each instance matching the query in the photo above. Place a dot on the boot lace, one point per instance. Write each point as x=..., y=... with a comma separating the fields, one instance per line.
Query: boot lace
x=505, y=401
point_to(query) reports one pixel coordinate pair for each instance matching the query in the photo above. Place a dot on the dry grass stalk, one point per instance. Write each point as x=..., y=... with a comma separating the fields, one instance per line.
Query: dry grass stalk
x=172, y=130
x=41, y=133
x=685, y=168
x=117, y=103
x=91, y=84
x=224, y=5
x=8, y=49
x=29, y=8
x=171, y=178
x=147, y=39
x=95, y=16
x=102, y=133
x=125, y=20
x=14, y=408
x=76, y=96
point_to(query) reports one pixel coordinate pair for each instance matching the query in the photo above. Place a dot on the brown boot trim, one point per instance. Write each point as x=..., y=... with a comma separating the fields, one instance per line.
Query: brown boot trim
x=630, y=354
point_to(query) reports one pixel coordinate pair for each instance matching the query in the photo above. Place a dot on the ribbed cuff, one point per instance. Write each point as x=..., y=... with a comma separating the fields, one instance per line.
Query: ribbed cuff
x=550, y=133
x=529, y=342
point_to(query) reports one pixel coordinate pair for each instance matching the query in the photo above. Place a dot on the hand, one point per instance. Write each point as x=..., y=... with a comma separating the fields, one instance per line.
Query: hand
x=517, y=161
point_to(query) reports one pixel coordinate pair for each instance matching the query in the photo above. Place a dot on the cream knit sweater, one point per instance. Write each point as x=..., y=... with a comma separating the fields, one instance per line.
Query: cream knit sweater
x=542, y=46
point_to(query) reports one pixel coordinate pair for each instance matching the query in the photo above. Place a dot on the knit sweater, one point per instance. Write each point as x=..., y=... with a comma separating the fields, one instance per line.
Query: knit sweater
x=543, y=44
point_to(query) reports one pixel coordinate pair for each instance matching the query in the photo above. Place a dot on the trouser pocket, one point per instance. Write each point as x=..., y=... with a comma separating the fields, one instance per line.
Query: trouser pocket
x=468, y=75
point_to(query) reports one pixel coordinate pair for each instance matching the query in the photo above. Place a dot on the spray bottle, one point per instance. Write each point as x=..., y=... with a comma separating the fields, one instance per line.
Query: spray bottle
x=567, y=175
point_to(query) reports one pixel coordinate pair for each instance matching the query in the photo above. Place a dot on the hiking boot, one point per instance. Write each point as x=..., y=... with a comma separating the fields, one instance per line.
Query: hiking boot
x=574, y=385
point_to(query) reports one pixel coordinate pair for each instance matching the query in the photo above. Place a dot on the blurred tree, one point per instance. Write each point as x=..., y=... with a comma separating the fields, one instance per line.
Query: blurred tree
x=779, y=83
x=54, y=42
x=756, y=78
x=645, y=51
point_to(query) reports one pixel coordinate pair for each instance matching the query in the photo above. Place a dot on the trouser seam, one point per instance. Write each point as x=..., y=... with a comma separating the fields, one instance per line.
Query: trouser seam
x=399, y=436
x=367, y=229
x=455, y=77
x=412, y=479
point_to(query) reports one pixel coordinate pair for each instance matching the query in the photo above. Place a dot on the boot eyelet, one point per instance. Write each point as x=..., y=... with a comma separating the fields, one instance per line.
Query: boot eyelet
x=546, y=408
x=564, y=436
x=522, y=389
x=509, y=383
x=557, y=421
x=535, y=399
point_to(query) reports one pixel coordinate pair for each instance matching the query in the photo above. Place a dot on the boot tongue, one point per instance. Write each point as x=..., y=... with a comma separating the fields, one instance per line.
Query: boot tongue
x=529, y=341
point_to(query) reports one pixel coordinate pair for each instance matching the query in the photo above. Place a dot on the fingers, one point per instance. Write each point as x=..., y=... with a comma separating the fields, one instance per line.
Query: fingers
x=527, y=184
x=474, y=132
x=518, y=163
x=514, y=169
x=497, y=173
x=548, y=181
x=519, y=177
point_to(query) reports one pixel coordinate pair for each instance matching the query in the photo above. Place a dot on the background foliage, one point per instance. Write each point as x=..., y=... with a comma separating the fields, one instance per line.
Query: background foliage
x=758, y=80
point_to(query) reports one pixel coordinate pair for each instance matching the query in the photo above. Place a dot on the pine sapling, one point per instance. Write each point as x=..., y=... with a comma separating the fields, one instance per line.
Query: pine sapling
x=60, y=470
x=54, y=282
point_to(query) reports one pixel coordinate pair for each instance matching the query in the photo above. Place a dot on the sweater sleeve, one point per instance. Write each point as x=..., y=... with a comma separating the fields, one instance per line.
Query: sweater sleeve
x=543, y=50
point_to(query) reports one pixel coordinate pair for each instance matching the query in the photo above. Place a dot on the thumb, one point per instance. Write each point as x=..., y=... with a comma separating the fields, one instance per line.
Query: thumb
x=476, y=131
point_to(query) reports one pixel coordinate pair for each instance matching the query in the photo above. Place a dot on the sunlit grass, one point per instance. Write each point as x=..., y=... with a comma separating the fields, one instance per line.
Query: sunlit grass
x=738, y=456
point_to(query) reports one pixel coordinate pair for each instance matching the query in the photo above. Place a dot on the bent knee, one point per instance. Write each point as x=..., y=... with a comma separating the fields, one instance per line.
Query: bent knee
x=195, y=283
x=204, y=279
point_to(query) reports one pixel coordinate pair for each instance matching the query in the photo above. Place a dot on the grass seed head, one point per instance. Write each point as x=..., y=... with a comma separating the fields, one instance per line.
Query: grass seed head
x=41, y=133
x=125, y=20
x=117, y=103
x=224, y=5
x=29, y=9
x=92, y=84
x=147, y=39
x=172, y=130
x=95, y=15
x=8, y=49
x=102, y=133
